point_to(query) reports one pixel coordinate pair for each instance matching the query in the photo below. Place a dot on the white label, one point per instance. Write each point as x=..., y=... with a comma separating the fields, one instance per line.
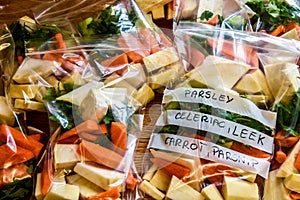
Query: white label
x=219, y=126
x=209, y=151
x=221, y=100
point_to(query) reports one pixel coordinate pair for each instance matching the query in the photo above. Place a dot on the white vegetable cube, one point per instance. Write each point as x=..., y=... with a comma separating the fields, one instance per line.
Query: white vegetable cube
x=160, y=59
x=38, y=187
x=211, y=192
x=63, y=192
x=158, y=13
x=6, y=114
x=65, y=156
x=237, y=189
x=86, y=187
x=161, y=180
x=179, y=190
x=103, y=177
x=152, y=191
x=292, y=182
x=145, y=94
x=149, y=174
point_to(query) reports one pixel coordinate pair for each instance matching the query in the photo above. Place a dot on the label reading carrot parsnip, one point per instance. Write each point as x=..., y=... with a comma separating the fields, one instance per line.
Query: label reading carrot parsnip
x=209, y=151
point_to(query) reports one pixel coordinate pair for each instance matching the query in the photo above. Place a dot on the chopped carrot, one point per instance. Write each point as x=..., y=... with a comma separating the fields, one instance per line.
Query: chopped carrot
x=112, y=193
x=291, y=25
x=131, y=181
x=277, y=31
x=50, y=56
x=149, y=39
x=100, y=154
x=249, y=150
x=171, y=168
x=14, y=172
x=297, y=162
x=194, y=56
x=118, y=134
x=20, y=59
x=214, y=20
x=88, y=126
x=233, y=50
x=294, y=195
x=283, y=139
x=40, y=137
x=21, y=139
x=280, y=156
x=60, y=43
x=103, y=128
x=88, y=136
x=116, y=61
x=254, y=60
x=134, y=49
x=47, y=175
x=164, y=40
x=118, y=64
x=12, y=155
x=69, y=137
x=214, y=172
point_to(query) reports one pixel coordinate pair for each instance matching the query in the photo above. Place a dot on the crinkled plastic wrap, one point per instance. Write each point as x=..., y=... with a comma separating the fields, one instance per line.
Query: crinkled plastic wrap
x=277, y=18
x=92, y=158
x=20, y=153
x=215, y=136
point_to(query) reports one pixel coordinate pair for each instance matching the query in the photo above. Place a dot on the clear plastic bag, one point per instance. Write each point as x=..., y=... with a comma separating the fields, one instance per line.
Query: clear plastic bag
x=277, y=18
x=215, y=136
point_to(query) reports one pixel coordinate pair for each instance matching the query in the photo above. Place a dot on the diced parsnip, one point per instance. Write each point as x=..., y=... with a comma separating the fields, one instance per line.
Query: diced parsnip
x=31, y=70
x=24, y=91
x=29, y=105
x=179, y=190
x=237, y=189
x=211, y=192
x=191, y=163
x=160, y=180
x=287, y=167
x=160, y=79
x=170, y=12
x=144, y=95
x=283, y=81
x=148, y=5
x=213, y=68
x=189, y=8
x=152, y=191
x=38, y=187
x=103, y=177
x=130, y=90
x=65, y=156
x=6, y=114
x=149, y=174
x=160, y=59
x=74, y=79
x=87, y=188
x=274, y=188
x=292, y=182
x=135, y=76
x=158, y=13
x=62, y=192
x=77, y=95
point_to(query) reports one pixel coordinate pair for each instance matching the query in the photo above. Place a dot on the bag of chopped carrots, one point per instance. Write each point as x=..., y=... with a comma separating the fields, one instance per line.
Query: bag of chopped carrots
x=215, y=136
x=20, y=153
x=277, y=18
x=90, y=156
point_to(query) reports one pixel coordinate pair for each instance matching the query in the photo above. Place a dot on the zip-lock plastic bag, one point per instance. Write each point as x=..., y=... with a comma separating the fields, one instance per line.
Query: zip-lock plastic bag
x=277, y=18
x=215, y=136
